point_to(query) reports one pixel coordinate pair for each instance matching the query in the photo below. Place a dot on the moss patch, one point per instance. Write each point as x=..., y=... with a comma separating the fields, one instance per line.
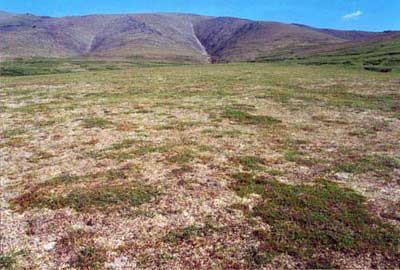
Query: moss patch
x=103, y=198
x=382, y=165
x=308, y=222
x=96, y=122
x=243, y=117
x=249, y=163
x=187, y=233
x=9, y=259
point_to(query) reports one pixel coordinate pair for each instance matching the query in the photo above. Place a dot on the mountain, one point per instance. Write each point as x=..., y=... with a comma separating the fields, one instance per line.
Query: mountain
x=161, y=36
x=230, y=39
x=154, y=36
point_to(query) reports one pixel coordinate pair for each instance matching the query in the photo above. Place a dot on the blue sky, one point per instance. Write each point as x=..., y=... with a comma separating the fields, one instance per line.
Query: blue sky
x=373, y=15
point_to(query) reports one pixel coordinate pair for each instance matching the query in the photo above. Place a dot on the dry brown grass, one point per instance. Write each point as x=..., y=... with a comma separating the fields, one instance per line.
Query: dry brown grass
x=188, y=133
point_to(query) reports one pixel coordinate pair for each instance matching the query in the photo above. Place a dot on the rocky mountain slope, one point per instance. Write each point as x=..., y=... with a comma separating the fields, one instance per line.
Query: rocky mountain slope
x=159, y=36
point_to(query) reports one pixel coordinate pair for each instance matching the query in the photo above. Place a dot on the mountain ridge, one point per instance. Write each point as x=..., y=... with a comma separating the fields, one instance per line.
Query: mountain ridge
x=160, y=36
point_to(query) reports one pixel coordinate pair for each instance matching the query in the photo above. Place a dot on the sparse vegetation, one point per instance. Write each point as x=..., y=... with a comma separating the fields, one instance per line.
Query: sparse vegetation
x=96, y=122
x=140, y=167
x=306, y=220
x=249, y=163
x=90, y=258
x=104, y=198
x=382, y=165
x=182, y=157
x=13, y=132
x=379, y=55
x=43, y=66
x=250, y=119
x=187, y=233
x=86, y=255
x=8, y=260
x=122, y=145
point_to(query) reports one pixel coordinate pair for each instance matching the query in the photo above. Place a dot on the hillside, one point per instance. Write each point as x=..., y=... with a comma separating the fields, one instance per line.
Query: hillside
x=379, y=53
x=154, y=36
x=230, y=39
x=161, y=36
x=346, y=35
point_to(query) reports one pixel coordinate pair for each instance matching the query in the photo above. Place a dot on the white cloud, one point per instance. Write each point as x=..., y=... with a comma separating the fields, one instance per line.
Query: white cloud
x=352, y=16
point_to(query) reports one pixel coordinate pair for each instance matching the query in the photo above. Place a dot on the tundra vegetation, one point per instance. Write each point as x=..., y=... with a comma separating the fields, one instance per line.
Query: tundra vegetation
x=170, y=166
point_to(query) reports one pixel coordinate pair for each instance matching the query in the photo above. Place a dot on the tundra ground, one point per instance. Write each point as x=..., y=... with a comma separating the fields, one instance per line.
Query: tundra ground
x=237, y=166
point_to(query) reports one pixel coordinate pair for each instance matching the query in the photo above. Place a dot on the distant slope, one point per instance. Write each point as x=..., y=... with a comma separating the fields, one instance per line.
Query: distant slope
x=162, y=36
x=6, y=17
x=381, y=51
x=156, y=36
x=346, y=35
x=216, y=33
x=230, y=39
x=153, y=36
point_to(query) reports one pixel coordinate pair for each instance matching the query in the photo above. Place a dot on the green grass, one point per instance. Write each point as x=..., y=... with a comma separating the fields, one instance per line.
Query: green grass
x=187, y=233
x=68, y=179
x=243, y=117
x=205, y=148
x=292, y=152
x=249, y=163
x=381, y=165
x=117, y=151
x=388, y=103
x=182, y=157
x=275, y=172
x=145, y=148
x=64, y=179
x=376, y=56
x=14, y=142
x=218, y=133
x=299, y=157
x=9, y=259
x=90, y=258
x=22, y=67
x=13, y=132
x=43, y=66
x=86, y=254
x=34, y=108
x=96, y=122
x=311, y=221
x=122, y=145
x=248, y=183
x=103, y=198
